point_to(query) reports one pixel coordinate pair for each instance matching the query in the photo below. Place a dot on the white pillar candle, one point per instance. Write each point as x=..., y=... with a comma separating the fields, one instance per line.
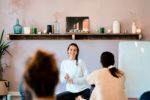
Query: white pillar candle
x=116, y=27
x=27, y=30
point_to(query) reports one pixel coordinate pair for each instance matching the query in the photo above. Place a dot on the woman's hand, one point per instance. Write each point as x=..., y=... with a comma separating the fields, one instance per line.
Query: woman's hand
x=68, y=79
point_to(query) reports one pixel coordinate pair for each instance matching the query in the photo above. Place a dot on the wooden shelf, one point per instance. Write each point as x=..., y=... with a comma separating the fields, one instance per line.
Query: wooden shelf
x=89, y=36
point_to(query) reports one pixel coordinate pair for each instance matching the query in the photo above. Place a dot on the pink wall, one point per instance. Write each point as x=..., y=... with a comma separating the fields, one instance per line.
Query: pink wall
x=40, y=13
x=101, y=12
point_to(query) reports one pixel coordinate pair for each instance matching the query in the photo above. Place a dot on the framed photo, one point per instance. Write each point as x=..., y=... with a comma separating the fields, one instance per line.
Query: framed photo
x=77, y=24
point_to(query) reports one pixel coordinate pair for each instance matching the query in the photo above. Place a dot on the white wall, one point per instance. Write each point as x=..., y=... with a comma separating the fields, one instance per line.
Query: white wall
x=136, y=65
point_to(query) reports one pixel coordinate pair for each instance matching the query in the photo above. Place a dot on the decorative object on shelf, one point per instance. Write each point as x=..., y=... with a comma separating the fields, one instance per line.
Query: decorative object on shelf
x=138, y=30
x=34, y=30
x=45, y=32
x=133, y=27
x=102, y=30
x=116, y=27
x=56, y=26
x=109, y=30
x=49, y=29
x=125, y=31
x=27, y=30
x=3, y=48
x=77, y=24
x=17, y=27
x=39, y=33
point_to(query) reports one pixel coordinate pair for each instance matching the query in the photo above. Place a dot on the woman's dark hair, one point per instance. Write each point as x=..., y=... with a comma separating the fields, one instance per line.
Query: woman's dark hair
x=41, y=74
x=107, y=59
x=74, y=44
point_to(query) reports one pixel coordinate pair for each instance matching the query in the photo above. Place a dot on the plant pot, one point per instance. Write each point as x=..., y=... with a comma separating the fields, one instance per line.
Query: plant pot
x=4, y=84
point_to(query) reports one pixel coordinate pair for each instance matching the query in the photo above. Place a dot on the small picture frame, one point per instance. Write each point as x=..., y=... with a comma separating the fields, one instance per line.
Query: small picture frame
x=77, y=24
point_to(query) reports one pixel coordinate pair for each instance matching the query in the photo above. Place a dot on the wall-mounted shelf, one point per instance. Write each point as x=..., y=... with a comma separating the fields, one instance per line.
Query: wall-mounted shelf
x=89, y=36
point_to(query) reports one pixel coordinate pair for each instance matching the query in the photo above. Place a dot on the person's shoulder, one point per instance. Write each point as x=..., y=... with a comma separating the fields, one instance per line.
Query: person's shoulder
x=65, y=61
x=102, y=71
x=80, y=60
x=96, y=71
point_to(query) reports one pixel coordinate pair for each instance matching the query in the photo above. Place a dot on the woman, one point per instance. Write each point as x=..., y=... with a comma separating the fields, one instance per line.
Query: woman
x=39, y=76
x=108, y=81
x=73, y=71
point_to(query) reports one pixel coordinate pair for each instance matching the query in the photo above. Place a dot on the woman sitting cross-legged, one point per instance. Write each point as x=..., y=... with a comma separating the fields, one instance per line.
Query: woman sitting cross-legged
x=108, y=81
x=73, y=72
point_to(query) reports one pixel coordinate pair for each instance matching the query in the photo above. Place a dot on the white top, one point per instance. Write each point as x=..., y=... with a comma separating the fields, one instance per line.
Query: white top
x=107, y=87
x=77, y=73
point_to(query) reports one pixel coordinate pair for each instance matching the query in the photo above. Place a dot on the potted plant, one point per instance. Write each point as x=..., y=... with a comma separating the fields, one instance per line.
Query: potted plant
x=3, y=50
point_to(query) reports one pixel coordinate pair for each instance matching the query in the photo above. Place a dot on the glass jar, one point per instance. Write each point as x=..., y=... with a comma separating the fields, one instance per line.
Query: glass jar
x=17, y=27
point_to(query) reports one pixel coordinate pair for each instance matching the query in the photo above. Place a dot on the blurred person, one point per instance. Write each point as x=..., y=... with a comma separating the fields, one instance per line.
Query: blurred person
x=41, y=76
x=145, y=96
x=108, y=81
x=24, y=93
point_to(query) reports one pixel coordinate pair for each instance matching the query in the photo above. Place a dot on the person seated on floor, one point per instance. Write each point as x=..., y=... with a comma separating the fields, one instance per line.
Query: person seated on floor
x=145, y=96
x=24, y=93
x=108, y=81
x=41, y=76
x=73, y=72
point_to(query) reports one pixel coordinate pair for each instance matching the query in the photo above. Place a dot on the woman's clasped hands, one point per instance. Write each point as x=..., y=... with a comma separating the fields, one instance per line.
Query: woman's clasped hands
x=68, y=79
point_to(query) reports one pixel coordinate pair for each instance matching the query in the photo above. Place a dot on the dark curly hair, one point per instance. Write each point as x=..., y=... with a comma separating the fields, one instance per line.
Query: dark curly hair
x=41, y=74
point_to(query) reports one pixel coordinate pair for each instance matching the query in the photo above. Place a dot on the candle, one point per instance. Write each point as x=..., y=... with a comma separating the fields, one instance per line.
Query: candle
x=116, y=27
x=109, y=31
x=138, y=30
x=27, y=30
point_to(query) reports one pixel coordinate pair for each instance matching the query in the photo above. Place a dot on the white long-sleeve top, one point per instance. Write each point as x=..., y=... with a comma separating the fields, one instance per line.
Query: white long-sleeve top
x=77, y=73
x=107, y=87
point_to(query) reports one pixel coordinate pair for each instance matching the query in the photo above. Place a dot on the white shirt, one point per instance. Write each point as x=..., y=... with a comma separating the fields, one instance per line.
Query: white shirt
x=77, y=73
x=107, y=87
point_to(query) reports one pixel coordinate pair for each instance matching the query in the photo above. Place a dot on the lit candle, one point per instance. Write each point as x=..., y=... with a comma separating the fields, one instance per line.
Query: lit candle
x=138, y=30
x=109, y=31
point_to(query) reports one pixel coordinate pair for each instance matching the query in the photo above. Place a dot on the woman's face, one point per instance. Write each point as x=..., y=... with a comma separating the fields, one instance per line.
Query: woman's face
x=72, y=52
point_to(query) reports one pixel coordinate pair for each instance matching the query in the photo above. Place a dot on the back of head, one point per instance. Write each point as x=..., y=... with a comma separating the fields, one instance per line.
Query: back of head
x=145, y=96
x=41, y=74
x=107, y=60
